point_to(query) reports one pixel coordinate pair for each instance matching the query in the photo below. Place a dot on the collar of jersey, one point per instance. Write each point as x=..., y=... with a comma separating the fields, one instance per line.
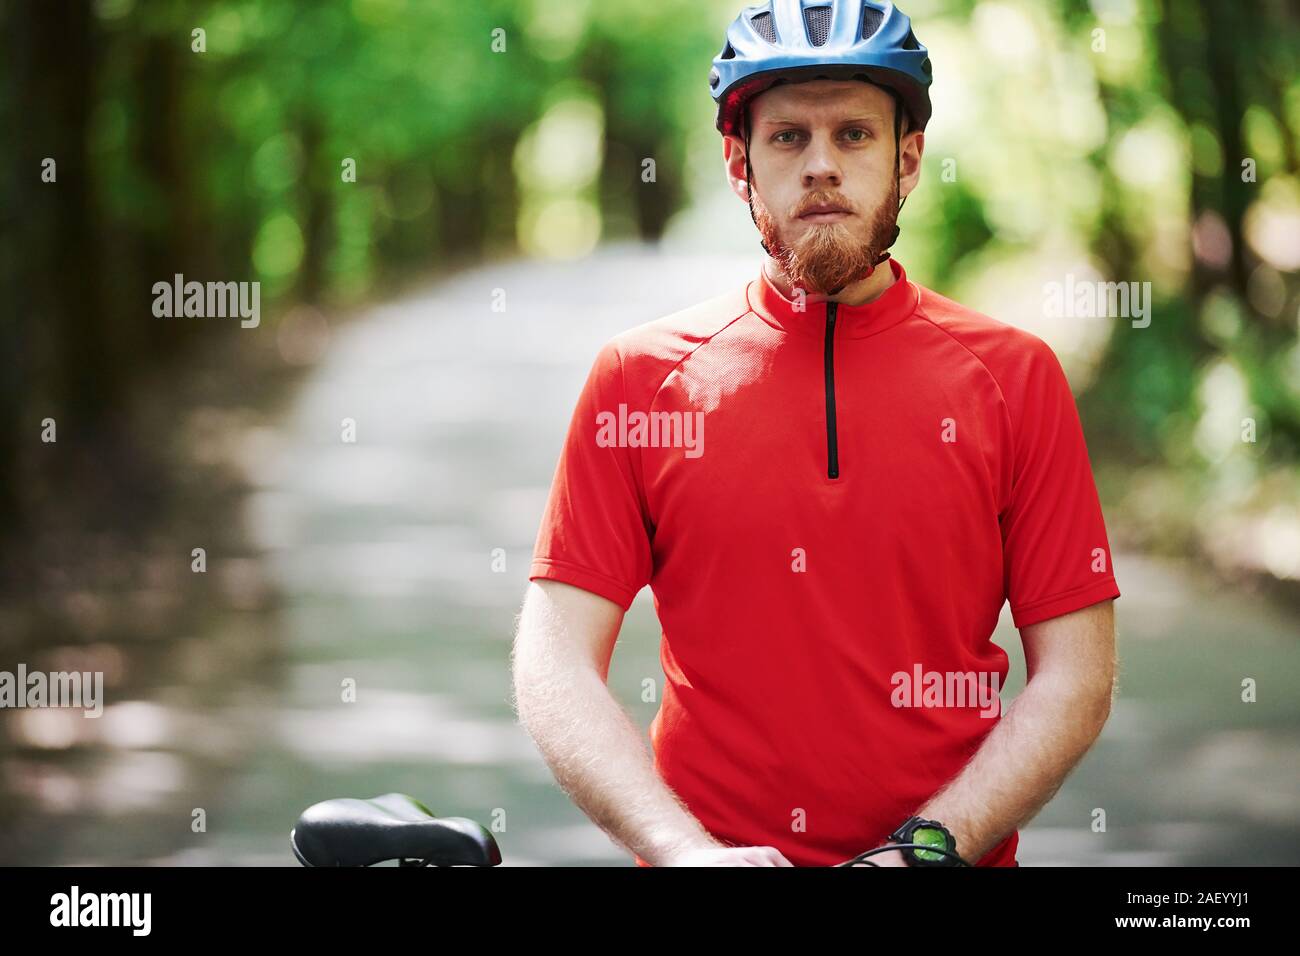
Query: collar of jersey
x=855, y=321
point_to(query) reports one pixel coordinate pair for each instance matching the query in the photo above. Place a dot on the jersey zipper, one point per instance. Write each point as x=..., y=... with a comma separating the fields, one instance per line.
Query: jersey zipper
x=832, y=441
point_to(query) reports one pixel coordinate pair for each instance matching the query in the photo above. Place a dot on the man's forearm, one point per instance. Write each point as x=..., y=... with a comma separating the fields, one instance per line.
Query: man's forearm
x=598, y=758
x=1020, y=765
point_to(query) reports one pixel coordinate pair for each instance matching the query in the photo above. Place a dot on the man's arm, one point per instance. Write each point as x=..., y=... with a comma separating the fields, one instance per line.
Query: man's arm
x=1070, y=663
x=560, y=662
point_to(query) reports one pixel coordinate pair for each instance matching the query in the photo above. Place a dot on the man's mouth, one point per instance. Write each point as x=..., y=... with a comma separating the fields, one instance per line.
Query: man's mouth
x=824, y=213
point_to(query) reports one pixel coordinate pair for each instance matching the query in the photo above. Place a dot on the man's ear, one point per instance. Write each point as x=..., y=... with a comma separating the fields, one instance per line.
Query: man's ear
x=733, y=160
x=909, y=161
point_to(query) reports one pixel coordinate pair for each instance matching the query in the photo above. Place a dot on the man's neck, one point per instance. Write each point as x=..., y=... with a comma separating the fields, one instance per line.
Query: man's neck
x=857, y=293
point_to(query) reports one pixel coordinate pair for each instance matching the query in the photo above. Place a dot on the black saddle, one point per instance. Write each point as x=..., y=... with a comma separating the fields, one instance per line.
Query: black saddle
x=347, y=832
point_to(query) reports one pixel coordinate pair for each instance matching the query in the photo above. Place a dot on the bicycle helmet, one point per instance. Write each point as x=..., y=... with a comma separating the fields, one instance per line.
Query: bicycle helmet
x=791, y=41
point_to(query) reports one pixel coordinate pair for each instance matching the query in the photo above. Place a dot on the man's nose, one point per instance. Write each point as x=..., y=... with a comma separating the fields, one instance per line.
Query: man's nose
x=821, y=164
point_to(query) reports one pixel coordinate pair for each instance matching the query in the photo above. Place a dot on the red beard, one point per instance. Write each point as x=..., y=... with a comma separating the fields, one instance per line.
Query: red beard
x=828, y=256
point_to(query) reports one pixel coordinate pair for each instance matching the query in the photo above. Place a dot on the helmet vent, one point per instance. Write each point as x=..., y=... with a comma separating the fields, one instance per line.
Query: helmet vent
x=817, y=21
x=910, y=43
x=762, y=23
x=871, y=20
x=729, y=53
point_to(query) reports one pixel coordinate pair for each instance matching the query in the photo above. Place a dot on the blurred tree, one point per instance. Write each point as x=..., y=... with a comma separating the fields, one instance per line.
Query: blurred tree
x=227, y=165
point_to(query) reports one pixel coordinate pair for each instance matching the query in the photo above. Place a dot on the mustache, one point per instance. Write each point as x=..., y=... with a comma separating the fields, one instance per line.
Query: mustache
x=822, y=199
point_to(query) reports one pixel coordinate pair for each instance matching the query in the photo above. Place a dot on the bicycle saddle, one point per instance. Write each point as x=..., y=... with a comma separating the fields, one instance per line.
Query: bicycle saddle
x=348, y=832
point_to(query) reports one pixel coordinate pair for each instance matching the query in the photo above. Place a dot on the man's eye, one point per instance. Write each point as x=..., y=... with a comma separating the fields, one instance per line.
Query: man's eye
x=785, y=132
x=859, y=138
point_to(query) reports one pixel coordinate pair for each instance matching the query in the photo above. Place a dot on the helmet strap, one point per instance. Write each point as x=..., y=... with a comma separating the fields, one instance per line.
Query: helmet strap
x=749, y=187
x=898, y=175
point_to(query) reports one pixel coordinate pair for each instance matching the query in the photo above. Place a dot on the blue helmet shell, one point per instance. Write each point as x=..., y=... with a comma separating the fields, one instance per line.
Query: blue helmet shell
x=796, y=40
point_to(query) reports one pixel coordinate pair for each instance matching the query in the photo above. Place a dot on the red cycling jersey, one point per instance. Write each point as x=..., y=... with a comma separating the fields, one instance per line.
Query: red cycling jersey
x=831, y=503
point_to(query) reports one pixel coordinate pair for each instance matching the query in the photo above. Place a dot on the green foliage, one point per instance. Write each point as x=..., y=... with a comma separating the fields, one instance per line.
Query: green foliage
x=1103, y=135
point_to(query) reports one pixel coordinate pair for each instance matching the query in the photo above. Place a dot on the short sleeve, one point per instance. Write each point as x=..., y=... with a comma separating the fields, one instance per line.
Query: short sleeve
x=1056, y=556
x=594, y=532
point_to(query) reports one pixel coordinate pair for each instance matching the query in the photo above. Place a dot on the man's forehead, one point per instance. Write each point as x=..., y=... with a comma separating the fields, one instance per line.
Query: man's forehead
x=824, y=98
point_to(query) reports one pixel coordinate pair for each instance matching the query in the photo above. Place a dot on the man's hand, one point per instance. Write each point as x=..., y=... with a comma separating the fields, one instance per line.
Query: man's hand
x=729, y=856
